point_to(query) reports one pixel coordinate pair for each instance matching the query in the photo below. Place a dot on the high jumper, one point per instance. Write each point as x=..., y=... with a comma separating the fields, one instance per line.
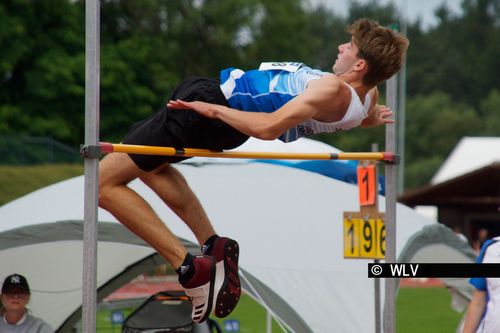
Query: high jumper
x=278, y=100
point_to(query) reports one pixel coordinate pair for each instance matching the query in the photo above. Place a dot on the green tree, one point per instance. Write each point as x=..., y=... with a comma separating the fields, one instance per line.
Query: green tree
x=383, y=14
x=489, y=111
x=330, y=30
x=460, y=55
x=149, y=46
x=281, y=33
x=42, y=73
x=434, y=125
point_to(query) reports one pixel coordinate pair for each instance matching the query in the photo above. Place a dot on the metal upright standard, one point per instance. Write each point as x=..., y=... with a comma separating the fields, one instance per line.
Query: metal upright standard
x=89, y=288
x=390, y=213
x=376, y=283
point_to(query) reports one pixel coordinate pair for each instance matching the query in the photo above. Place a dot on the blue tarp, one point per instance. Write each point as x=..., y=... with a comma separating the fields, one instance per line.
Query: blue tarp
x=341, y=170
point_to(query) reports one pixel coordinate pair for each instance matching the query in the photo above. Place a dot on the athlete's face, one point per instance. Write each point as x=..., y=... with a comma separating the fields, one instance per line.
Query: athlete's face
x=346, y=59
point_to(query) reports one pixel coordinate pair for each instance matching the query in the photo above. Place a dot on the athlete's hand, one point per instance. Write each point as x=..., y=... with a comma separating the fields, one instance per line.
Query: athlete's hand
x=382, y=115
x=206, y=109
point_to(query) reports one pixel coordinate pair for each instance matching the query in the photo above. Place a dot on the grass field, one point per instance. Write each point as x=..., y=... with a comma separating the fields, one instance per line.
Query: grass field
x=425, y=310
x=419, y=310
x=16, y=181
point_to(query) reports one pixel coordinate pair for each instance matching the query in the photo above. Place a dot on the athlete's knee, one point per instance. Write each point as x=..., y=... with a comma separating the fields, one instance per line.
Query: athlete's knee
x=105, y=178
x=114, y=171
x=105, y=197
x=108, y=193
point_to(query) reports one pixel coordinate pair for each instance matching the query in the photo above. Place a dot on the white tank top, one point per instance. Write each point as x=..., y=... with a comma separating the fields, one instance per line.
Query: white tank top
x=356, y=112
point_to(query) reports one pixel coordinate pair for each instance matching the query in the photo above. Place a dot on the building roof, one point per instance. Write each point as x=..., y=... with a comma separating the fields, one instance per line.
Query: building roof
x=476, y=188
x=471, y=153
x=470, y=177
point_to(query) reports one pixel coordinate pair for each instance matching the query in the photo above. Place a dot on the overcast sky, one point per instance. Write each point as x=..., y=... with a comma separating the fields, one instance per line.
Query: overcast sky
x=423, y=9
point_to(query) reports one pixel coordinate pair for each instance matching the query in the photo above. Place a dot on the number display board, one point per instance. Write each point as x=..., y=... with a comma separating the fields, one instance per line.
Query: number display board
x=364, y=238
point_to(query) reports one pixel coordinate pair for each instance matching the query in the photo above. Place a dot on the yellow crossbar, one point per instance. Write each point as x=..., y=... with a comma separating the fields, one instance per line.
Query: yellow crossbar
x=107, y=147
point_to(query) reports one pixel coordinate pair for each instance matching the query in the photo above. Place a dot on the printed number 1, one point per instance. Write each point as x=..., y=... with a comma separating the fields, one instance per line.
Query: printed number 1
x=367, y=185
x=350, y=233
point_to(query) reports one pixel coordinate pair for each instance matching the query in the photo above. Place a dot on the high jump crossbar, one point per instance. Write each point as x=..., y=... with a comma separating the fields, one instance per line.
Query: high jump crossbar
x=107, y=147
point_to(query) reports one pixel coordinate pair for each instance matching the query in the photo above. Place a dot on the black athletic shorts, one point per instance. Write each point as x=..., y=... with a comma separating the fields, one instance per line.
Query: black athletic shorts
x=184, y=128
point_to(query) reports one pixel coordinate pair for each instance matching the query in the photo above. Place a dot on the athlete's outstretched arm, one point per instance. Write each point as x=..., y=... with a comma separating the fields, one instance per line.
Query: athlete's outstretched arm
x=257, y=124
x=268, y=126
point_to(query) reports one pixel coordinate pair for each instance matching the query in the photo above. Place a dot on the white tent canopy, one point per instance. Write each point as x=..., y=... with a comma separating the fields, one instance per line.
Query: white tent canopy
x=288, y=223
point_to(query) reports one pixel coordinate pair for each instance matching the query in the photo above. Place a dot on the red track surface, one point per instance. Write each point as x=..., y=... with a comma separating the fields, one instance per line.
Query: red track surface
x=141, y=288
x=420, y=283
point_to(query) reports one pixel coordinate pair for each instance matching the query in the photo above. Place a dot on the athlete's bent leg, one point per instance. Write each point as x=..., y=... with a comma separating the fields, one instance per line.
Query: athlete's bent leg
x=171, y=186
x=116, y=170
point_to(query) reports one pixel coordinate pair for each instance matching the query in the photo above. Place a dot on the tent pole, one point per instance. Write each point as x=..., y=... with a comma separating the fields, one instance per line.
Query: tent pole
x=257, y=297
x=269, y=322
x=390, y=211
x=91, y=164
